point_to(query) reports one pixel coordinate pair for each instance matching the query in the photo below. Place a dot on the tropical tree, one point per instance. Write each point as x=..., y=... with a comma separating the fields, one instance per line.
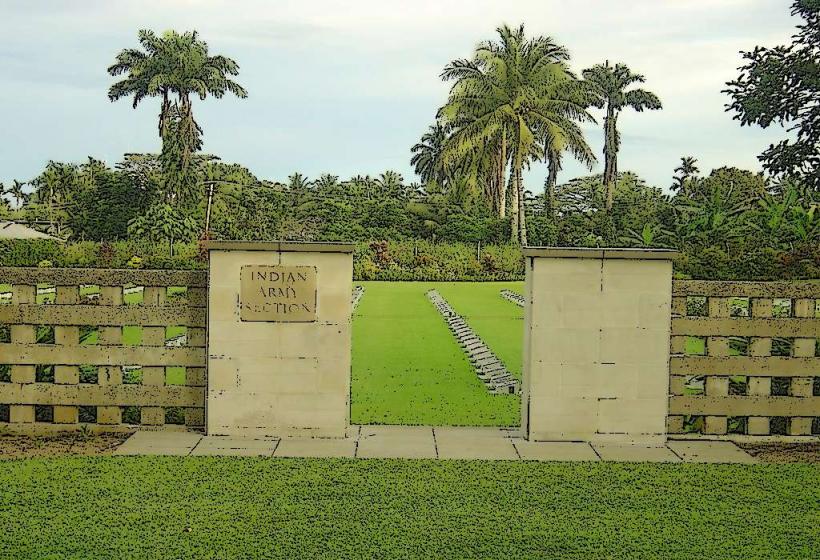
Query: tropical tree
x=780, y=86
x=163, y=222
x=713, y=219
x=53, y=187
x=557, y=141
x=327, y=182
x=651, y=235
x=609, y=85
x=427, y=155
x=174, y=67
x=390, y=183
x=170, y=64
x=506, y=98
x=298, y=182
x=684, y=173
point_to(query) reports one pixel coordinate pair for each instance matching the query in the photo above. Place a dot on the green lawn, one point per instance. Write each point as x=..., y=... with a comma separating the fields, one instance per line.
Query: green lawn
x=499, y=322
x=408, y=368
x=169, y=507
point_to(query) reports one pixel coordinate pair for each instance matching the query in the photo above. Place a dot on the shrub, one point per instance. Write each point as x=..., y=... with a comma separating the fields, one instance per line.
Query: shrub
x=410, y=260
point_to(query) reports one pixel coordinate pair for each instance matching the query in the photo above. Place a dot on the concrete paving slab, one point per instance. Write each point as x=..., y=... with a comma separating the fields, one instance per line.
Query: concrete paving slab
x=396, y=442
x=474, y=443
x=227, y=445
x=635, y=453
x=234, y=452
x=555, y=450
x=164, y=438
x=477, y=431
x=159, y=443
x=138, y=450
x=316, y=447
x=710, y=452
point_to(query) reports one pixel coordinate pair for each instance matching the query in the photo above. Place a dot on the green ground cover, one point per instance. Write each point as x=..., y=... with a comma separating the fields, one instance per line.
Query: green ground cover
x=499, y=322
x=408, y=368
x=170, y=507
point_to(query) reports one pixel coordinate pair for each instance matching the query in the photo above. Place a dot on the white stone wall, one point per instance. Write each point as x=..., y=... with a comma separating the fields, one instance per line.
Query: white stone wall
x=272, y=378
x=596, y=349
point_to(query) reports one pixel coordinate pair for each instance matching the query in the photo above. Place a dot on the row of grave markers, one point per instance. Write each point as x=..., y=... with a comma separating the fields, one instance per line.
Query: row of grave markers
x=490, y=370
x=358, y=292
x=514, y=297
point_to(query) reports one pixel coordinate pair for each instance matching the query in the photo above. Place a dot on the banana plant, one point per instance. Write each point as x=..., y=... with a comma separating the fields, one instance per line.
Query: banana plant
x=651, y=235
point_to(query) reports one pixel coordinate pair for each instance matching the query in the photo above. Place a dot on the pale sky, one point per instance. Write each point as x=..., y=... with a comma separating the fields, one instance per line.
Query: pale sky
x=348, y=87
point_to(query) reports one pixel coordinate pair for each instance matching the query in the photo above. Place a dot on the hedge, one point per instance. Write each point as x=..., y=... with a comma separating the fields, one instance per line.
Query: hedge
x=385, y=260
x=408, y=260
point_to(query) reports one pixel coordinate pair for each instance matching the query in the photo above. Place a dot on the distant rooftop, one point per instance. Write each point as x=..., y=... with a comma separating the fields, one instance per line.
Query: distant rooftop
x=13, y=230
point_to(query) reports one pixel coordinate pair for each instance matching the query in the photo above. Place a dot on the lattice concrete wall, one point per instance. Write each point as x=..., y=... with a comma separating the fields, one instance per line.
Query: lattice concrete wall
x=745, y=358
x=64, y=360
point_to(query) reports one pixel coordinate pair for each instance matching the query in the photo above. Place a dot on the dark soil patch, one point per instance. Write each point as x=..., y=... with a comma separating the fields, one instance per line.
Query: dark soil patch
x=784, y=452
x=14, y=446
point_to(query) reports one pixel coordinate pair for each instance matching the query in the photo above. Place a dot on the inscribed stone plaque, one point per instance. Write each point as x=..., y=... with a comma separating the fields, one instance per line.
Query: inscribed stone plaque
x=278, y=293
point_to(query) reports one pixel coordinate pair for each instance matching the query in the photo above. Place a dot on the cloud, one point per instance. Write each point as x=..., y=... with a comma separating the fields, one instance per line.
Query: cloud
x=346, y=86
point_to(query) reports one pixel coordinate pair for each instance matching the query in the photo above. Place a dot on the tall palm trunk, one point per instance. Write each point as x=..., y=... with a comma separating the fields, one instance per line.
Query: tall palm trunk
x=610, y=155
x=522, y=217
x=164, y=114
x=517, y=199
x=553, y=167
x=514, y=215
x=502, y=182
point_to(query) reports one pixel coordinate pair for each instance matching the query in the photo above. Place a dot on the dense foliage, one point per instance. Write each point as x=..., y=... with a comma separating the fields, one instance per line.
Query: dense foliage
x=781, y=85
x=395, y=260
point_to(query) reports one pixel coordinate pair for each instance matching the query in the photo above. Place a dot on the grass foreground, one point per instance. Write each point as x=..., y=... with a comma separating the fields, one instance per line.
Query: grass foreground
x=168, y=507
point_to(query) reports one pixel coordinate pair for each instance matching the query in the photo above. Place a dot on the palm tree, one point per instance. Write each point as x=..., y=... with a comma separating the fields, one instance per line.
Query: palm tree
x=505, y=98
x=172, y=64
x=327, y=182
x=53, y=187
x=16, y=191
x=298, y=182
x=427, y=160
x=146, y=75
x=178, y=65
x=609, y=84
x=390, y=183
x=687, y=169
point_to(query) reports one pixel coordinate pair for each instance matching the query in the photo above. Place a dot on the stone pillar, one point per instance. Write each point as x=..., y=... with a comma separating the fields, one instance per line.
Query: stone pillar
x=279, y=338
x=596, y=348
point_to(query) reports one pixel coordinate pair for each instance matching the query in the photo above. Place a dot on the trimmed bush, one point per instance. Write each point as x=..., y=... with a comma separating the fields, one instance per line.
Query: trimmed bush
x=409, y=260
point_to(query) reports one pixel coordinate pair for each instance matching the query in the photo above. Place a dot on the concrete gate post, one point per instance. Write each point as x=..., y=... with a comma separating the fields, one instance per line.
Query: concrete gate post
x=279, y=338
x=596, y=345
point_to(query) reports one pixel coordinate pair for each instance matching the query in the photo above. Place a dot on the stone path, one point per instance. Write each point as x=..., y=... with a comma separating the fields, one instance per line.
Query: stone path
x=429, y=442
x=514, y=297
x=490, y=370
x=358, y=292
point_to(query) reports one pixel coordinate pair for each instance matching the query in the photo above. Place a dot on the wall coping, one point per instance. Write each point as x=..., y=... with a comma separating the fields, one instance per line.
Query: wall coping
x=280, y=246
x=600, y=253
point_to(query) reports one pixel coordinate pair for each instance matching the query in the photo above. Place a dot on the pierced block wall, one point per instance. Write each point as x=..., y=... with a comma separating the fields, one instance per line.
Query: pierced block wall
x=86, y=373
x=745, y=359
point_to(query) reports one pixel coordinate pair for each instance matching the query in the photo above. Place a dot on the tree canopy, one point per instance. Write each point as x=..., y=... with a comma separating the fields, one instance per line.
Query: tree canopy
x=781, y=85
